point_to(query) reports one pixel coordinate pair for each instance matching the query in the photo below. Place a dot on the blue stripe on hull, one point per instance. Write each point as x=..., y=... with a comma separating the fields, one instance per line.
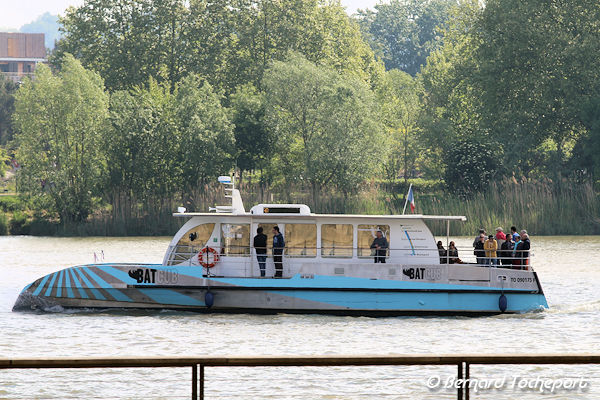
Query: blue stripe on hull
x=420, y=301
x=115, y=293
x=87, y=282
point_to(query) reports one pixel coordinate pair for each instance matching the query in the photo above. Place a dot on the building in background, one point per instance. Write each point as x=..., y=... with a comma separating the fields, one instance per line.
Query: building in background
x=20, y=53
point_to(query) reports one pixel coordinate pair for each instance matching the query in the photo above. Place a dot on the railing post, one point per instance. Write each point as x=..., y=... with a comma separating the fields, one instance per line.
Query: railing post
x=467, y=374
x=201, y=382
x=459, y=395
x=194, y=382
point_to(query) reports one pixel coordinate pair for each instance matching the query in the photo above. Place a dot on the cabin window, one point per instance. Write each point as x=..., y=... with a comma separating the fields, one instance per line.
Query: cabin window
x=366, y=235
x=235, y=239
x=191, y=243
x=301, y=240
x=336, y=240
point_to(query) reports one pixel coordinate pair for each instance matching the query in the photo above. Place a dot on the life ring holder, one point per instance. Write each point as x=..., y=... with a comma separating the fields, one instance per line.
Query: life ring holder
x=204, y=254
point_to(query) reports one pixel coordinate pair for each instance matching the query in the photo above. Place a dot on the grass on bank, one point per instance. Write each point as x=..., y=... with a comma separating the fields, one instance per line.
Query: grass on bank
x=543, y=208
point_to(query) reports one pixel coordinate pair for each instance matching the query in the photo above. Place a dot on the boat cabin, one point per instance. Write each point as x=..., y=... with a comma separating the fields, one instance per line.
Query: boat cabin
x=310, y=239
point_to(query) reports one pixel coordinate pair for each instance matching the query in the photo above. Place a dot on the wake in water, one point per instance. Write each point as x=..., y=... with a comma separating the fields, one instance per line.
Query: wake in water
x=589, y=307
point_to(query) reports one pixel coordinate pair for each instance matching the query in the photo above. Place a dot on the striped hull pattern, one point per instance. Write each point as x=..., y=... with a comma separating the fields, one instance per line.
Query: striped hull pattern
x=149, y=286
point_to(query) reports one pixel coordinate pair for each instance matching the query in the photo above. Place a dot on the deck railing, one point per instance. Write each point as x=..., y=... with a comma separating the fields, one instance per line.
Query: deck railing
x=517, y=259
x=463, y=362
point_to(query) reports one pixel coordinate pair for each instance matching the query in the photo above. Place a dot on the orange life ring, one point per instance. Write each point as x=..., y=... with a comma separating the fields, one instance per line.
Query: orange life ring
x=207, y=250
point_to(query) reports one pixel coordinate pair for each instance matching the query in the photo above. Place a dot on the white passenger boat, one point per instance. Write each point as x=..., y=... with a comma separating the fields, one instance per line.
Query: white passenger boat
x=328, y=267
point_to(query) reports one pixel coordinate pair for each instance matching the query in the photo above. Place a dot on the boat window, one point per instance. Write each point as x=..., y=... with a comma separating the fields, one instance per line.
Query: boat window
x=301, y=240
x=235, y=239
x=366, y=235
x=336, y=240
x=192, y=242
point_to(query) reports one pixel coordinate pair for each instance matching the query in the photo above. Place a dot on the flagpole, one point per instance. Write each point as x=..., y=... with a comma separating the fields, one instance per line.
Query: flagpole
x=406, y=199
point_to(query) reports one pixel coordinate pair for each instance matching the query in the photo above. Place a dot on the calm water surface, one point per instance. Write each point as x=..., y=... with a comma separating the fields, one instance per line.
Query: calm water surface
x=569, y=269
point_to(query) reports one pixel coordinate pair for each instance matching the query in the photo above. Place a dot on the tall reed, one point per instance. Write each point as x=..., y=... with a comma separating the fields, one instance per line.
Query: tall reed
x=541, y=207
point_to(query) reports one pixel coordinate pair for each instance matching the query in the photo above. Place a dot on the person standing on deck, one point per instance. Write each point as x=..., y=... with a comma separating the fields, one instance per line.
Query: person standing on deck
x=481, y=232
x=516, y=253
x=380, y=244
x=260, y=246
x=500, y=236
x=278, y=246
x=525, y=248
x=442, y=252
x=479, y=251
x=514, y=233
x=506, y=251
x=490, y=246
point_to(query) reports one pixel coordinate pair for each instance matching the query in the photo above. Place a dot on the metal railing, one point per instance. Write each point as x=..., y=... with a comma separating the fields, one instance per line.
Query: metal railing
x=17, y=77
x=463, y=362
x=517, y=259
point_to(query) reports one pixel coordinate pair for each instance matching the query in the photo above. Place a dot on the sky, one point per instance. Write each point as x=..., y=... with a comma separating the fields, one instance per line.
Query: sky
x=14, y=14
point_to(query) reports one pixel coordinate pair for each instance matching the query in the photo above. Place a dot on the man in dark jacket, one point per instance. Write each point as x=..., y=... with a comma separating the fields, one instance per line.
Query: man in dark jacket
x=260, y=246
x=380, y=244
x=278, y=246
x=506, y=251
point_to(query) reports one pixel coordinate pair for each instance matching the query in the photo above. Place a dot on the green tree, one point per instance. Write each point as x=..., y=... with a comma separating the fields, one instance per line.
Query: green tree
x=401, y=106
x=254, y=142
x=326, y=125
x=228, y=42
x=127, y=41
x=536, y=72
x=142, y=148
x=7, y=107
x=207, y=142
x=518, y=75
x=59, y=122
x=404, y=32
x=164, y=145
x=4, y=159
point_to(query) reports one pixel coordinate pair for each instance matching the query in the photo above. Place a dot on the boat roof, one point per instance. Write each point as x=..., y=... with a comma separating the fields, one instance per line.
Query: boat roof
x=312, y=216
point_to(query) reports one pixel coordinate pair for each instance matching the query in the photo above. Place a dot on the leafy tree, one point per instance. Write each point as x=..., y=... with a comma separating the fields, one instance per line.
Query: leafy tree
x=141, y=148
x=537, y=73
x=228, y=42
x=207, y=143
x=162, y=144
x=59, y=122
x=586, y=154
x=404, y=32
x=518, y=74
x=399, y=97
x=254, y=142
x=7, y=107
x=4, y=159
x=326, y=125
x=471, y=163
x=126, y=41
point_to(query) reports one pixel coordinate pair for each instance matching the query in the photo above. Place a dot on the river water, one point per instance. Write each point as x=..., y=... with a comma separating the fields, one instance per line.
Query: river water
x=568, y=267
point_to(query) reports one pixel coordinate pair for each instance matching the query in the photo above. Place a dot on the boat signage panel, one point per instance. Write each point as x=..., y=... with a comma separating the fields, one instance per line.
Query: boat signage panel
x=428, y=273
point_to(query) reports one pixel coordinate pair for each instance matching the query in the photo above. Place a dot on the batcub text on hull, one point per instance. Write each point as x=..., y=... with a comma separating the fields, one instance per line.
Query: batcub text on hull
x=326, y=266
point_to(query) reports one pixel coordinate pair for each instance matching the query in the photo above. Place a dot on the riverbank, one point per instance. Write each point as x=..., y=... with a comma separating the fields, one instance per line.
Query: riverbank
x=543, y=208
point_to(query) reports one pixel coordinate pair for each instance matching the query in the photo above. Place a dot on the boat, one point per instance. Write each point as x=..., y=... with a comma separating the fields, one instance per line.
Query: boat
x=326, y=267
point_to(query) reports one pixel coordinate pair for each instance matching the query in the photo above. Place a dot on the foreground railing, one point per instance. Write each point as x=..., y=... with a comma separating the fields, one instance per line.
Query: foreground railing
x=198, y=365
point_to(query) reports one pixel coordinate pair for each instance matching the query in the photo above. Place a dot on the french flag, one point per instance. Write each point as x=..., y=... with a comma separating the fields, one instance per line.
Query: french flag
x=411, y=199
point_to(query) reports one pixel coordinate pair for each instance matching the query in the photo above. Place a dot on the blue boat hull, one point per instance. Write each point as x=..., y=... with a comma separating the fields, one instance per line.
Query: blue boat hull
x=107, y=286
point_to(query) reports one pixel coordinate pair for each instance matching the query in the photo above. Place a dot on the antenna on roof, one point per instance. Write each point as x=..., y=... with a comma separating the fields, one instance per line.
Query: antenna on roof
x=237, y=205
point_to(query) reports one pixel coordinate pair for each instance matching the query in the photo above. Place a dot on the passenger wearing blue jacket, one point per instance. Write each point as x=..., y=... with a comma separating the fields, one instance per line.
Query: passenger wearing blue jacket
x=278, y=246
